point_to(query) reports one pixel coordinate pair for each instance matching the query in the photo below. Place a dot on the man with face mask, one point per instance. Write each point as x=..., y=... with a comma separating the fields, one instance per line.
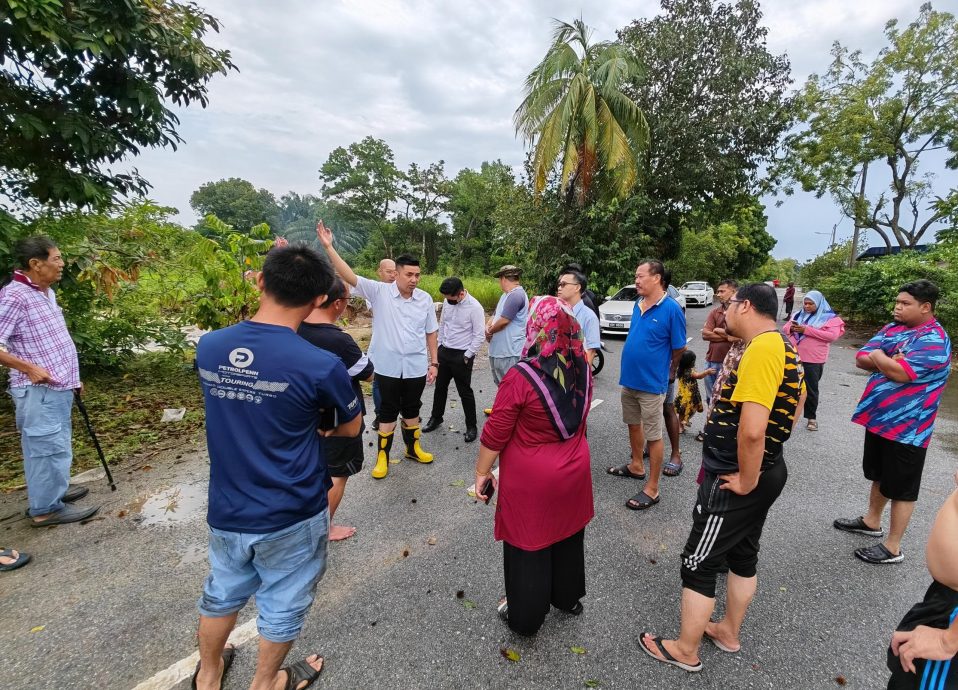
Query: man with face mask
x=461, y=332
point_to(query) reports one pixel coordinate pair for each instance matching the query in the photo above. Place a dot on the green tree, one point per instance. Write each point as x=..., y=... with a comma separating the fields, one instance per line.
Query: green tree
x=865, y=123
x=86, y=83
x=715, y=99
x=104, y=302
x=574, y=111
x=237, y=203
x=474, y=199
x=362, y=178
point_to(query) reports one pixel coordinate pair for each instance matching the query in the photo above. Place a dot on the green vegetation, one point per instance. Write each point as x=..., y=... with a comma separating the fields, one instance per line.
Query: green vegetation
x=867, y=292
x=87, y=82
x=868, y=123
x=125, y=407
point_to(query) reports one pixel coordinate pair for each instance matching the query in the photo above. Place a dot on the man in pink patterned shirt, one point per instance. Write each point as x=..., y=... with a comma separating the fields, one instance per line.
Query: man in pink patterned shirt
x=44, y=372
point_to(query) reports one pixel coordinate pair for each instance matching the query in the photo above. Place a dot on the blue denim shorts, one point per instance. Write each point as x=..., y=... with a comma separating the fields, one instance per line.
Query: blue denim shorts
x=281, y=568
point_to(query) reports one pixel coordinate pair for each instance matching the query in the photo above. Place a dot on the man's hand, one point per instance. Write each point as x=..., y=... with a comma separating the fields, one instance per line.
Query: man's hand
x=38, y=375
x=488, y=334
x=921, y=643
x=280, y=242
x=324, y=235
x=733, y=483
x=431, y=374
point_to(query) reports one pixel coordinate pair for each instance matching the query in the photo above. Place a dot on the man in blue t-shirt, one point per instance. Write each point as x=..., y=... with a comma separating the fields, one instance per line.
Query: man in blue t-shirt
x=265, y=390
x=650, y=359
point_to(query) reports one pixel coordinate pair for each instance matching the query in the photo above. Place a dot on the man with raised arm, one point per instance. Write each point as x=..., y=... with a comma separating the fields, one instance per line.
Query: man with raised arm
x=404, y=348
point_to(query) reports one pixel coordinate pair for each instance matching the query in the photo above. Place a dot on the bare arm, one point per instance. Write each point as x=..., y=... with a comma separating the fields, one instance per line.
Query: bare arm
x=865, y=362
x=325, y=236
x=925, y=642
x=889, y=367
x=497, y=325
x=349, y=429
x=753, y=423
x=432, y=346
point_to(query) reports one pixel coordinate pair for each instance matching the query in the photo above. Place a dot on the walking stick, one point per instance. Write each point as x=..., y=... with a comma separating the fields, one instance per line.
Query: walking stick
x=96, y=443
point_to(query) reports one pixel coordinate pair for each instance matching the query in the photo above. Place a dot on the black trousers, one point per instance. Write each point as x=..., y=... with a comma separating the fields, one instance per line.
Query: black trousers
x=535, y=580
x=813, y=374
x=453, y=367
x=788, y=308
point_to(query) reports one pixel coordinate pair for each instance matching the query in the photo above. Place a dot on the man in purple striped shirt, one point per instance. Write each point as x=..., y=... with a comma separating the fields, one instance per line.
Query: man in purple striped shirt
x=44, y=372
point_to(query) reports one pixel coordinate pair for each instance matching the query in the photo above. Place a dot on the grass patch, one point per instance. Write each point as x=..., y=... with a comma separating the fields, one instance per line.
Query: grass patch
x=125, y=408
x=483, y=288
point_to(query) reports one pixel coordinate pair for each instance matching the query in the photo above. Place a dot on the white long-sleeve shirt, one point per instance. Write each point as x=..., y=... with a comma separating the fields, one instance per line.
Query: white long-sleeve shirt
x=462, y=326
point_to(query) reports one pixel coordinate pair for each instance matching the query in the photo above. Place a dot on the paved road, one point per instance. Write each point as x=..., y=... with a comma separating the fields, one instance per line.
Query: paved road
x=116, y=596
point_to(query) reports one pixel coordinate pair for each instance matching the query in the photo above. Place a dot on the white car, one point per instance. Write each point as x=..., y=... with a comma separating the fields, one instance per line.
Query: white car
x=615, y=314
x=698, y=292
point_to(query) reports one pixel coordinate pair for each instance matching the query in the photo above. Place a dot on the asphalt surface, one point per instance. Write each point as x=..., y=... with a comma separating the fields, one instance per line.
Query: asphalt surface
x=116, y=597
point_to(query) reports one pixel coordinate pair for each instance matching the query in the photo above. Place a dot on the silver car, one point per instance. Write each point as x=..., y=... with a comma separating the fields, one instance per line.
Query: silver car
x=615, y=314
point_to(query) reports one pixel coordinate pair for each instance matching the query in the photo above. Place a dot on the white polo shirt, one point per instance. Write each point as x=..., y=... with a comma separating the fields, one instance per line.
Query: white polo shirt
x=398, y=345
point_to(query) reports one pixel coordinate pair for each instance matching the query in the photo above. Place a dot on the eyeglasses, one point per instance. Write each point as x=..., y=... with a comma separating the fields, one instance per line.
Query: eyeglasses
x=733, y=299
x=562, y=285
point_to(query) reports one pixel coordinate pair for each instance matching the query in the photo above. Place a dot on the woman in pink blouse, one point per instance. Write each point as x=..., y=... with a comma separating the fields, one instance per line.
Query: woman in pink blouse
x=812, y=329
x=537, y=429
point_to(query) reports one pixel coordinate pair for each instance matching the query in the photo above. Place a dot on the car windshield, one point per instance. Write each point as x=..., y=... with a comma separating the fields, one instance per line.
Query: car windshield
x=673, y=293
x=626, y=294
x=694, y=286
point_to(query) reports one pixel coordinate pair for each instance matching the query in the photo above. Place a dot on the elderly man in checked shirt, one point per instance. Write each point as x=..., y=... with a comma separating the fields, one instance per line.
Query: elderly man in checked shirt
x=44, y=372
x=462, y=329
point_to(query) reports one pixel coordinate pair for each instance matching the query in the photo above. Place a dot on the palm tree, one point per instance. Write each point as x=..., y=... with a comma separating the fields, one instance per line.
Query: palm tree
x=574, y=110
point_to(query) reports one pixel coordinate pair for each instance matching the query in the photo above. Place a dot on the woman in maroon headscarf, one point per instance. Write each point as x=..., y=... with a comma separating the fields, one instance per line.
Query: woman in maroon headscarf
x=537, y=429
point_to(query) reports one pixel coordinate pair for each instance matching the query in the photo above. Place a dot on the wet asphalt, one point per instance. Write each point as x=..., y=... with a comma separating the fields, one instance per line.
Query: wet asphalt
x=409, y=602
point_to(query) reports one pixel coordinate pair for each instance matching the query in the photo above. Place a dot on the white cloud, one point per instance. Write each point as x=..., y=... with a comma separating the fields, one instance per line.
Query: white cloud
x=436, y=80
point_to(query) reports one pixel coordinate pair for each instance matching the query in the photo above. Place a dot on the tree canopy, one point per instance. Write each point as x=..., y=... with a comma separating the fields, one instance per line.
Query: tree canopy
x=575, y=111
x=869, y=127
x=716, y=102
x=84, y=83
x=236, y=202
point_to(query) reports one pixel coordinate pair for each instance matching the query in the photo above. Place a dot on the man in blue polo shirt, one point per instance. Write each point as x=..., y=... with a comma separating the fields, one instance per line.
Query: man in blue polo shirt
x=650, y=359
x=265, y=389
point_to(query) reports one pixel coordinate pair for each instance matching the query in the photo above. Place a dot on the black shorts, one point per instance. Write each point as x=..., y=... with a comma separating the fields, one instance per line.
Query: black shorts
x=400, y=397
x=937, y=610
x=895, y=466
x=727, y=529
x=344, y=455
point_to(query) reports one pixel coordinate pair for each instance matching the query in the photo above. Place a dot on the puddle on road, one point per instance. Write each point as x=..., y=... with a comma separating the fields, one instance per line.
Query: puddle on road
x=172, y=505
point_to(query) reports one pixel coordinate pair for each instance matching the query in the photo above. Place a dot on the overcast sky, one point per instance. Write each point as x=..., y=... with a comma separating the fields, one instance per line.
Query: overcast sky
x=437, y=80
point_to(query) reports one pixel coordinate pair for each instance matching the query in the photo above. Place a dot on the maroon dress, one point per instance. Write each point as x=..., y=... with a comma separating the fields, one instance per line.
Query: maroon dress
x=545, y=483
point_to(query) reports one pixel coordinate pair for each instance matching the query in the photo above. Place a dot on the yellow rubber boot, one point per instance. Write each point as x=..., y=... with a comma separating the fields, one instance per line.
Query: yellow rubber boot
x=411, y=434
x=382, y=456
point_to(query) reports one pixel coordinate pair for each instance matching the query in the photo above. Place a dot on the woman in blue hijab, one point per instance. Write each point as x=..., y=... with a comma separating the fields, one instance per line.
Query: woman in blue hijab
x=812, y=329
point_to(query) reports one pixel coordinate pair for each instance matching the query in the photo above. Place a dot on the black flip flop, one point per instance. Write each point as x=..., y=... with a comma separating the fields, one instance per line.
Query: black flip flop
x=22, y=559
x=228, y=654
x=667, y=658
x=624, y=471
x=642, y=501
x=300, y=671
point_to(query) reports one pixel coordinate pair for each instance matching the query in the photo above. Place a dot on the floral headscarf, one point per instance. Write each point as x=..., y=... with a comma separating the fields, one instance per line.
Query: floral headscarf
x=554, y=363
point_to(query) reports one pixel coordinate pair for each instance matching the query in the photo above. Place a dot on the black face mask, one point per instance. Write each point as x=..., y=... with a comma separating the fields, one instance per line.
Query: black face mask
x=453, y=302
